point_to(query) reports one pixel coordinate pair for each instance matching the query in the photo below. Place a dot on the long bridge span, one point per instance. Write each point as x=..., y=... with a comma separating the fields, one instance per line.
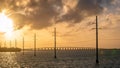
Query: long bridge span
x=66, y=48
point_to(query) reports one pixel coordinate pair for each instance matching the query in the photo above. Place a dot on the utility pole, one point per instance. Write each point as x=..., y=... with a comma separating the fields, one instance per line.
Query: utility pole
x=5, y=43
x=15, y=43
x=0, y=44
x=55, y=43
x=23, y=45
x=10, y=43
x=97, y=58
x=35, y=44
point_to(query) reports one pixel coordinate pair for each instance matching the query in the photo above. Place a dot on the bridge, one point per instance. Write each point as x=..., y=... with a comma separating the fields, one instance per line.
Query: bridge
x=66, y=48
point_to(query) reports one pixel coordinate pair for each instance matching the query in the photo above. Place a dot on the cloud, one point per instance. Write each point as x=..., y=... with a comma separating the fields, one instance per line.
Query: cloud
x=40, y=14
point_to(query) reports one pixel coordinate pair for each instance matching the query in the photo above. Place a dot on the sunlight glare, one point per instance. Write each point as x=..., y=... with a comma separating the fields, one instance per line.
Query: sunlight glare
x=6, y=24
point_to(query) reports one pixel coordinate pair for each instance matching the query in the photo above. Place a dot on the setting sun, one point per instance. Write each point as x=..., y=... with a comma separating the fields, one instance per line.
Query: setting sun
x=6, y=24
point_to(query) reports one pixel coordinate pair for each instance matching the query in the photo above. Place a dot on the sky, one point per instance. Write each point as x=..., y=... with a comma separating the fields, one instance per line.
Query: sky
x=73, y=19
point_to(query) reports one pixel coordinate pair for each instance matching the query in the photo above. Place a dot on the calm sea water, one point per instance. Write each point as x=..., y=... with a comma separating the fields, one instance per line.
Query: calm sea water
x=65, y=59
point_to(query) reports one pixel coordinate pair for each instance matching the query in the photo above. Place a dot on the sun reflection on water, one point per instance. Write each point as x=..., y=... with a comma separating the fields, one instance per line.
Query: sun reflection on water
x=8, y=60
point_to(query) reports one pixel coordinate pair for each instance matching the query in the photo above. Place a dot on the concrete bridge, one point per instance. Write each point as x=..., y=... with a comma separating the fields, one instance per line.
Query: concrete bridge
x=66, y=48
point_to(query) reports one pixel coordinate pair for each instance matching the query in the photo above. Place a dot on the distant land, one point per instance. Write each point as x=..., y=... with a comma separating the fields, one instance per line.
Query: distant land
x=4, y=49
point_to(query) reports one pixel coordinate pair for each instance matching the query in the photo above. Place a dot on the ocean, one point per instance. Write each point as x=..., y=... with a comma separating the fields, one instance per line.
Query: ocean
x=65, y=59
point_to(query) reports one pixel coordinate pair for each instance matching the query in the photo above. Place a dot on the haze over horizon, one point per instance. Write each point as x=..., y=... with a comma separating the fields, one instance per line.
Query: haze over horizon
x=73, y=19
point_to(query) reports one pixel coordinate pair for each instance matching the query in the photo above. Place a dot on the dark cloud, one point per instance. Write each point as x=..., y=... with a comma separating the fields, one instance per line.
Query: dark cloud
x=43, y=13
x=84, y=8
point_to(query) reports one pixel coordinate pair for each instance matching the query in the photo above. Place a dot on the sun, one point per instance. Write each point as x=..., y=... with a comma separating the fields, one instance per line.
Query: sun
x=6, y=25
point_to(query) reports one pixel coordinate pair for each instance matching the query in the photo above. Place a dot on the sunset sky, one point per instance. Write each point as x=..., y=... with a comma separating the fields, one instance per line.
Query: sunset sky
x=73, y=19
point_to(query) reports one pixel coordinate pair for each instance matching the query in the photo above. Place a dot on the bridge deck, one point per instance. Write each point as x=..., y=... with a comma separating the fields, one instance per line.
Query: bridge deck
x=65, y=48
